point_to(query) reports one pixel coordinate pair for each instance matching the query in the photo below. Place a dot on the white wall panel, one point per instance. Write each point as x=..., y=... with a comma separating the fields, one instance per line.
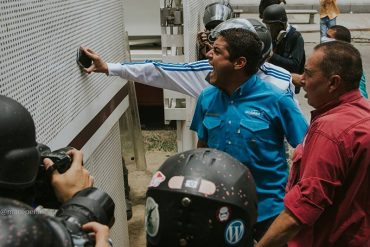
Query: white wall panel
x=106, y=164
x=38, y=45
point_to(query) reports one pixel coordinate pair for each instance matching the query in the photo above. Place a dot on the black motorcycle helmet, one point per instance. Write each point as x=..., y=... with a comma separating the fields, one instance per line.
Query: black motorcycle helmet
x=19, y=157
x=264, y=4
x=201, y=197
x=275, y=14
x=215, y=13
x=21, y=226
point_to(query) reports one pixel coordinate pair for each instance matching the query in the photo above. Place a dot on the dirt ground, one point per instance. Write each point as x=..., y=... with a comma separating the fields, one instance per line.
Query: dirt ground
x=138, y=181
x=159, y=145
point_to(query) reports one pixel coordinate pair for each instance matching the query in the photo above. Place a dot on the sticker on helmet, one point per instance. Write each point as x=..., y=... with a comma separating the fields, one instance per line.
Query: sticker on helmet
x=234, y=232
x=157, y=179
x=207, y=187
x=223, y=214
x=190, y=183
x=151, y=217
x=175, y=182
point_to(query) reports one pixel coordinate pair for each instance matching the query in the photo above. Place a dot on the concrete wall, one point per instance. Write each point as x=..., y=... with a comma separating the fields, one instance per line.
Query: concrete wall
x=142, y=18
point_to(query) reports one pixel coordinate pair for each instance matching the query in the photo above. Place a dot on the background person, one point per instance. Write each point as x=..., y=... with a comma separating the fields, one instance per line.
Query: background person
x=327, y=200
x=336, y=32
x=265, y=3
x=288, y=43
x=328, y=16
x=214, y=14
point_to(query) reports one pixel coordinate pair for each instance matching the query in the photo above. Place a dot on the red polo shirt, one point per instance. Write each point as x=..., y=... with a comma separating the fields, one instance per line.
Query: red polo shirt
x=329, y=184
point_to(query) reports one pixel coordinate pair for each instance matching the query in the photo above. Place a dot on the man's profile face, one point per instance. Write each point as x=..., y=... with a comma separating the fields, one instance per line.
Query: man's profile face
x=315, y=83
x=275, y=29
x=330, y=34
x=218, y=57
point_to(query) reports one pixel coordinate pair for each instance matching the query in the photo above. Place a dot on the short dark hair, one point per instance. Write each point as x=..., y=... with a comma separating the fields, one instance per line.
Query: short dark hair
x=343, y=59
x=264, y=4
x=243, y=43
x=341, y=33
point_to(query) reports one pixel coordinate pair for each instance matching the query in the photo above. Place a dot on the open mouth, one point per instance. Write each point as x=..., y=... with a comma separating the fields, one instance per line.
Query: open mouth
x=208, y=77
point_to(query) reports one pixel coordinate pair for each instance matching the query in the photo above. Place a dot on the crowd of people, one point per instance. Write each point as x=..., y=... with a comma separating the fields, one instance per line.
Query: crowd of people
x=245, y=85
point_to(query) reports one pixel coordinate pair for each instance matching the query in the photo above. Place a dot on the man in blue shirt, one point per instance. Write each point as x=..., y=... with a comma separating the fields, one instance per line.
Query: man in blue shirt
x=248, y=118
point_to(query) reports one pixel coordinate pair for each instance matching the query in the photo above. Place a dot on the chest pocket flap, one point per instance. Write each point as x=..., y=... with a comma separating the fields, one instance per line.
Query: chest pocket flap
x=254, y=125
x=211, y=122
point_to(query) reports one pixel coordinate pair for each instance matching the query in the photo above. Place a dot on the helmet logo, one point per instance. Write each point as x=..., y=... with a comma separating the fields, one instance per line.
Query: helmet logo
x=223, y=214
x=234, y=232
x=201, y=185
x=151, y=217
x=157, y=179
x=190, y=183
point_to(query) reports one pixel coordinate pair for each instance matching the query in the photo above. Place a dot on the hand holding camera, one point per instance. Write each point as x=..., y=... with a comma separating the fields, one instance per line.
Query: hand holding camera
x=101, y=233
x=83, y=221
x=61, y=174
x=203, y=40
x=72, y=180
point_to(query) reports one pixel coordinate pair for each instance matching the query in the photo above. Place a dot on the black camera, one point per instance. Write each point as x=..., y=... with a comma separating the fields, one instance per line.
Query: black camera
x=33, y=228
x=211, y=36
x=45, y=195
x=85, y=206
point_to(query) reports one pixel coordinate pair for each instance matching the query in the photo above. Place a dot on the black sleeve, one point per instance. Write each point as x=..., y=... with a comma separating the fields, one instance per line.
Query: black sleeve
x=295, y=59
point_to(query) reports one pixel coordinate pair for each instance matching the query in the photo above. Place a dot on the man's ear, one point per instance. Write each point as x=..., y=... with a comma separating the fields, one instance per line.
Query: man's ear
x=335, y=82
x=240, y=63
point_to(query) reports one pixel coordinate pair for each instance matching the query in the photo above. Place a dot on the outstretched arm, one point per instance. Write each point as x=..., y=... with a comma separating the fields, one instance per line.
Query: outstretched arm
x=187, y=78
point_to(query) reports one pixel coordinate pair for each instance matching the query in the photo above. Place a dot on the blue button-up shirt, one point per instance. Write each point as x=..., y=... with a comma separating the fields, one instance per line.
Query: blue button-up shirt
x=250, y=125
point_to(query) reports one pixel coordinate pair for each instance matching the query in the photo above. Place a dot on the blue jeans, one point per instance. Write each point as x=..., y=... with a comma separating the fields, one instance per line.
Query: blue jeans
x=325, y=24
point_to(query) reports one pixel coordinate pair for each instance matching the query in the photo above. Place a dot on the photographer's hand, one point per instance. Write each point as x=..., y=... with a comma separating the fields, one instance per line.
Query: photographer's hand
x=73, y=180
x=297, y=80
x=98, y=66
x=203, y=42
x=101, y=233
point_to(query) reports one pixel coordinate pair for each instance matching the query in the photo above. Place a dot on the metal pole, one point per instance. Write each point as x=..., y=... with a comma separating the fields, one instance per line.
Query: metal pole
x=133, y=122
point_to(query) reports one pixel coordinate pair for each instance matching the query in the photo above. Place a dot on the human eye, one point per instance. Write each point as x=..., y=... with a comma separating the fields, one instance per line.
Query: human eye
x=307, y=73
x=216, y=51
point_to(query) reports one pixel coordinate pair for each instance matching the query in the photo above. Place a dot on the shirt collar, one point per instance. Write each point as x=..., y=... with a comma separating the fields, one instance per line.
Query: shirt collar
x=347, y=97
x=245, y=88
x=288, y=27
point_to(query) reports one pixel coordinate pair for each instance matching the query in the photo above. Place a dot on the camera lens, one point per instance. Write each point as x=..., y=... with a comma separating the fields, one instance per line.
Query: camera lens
x=211, y=37
x=88, y=205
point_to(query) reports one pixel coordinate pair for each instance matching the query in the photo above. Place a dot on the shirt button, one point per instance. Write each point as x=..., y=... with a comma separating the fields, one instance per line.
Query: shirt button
x=232, y=102
x=229, y=142
x=229, y=122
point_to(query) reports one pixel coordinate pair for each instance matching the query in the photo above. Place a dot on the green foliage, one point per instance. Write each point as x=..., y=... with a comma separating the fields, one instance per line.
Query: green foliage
x=160, y=140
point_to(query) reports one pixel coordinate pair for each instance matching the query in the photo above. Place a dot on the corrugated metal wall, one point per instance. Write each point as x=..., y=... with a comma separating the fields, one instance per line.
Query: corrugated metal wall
x=38, y=45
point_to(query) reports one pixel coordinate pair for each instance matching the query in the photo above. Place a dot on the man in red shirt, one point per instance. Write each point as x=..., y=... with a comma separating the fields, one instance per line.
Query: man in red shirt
x=328, y=199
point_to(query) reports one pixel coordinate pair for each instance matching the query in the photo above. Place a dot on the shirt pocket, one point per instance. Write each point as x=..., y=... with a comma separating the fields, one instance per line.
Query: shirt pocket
x=254, y=131
x=294, y=173
x=213, y=127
